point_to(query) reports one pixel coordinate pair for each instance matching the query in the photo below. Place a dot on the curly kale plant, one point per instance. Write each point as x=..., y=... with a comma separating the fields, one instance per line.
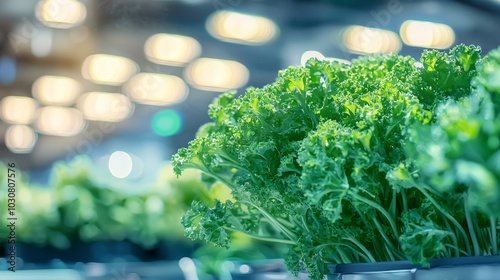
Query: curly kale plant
x=316, y=160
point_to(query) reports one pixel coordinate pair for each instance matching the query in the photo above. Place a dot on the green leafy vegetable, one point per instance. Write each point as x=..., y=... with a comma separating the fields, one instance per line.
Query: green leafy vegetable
x=460, y=153
x=317, y=161
x=76, y=207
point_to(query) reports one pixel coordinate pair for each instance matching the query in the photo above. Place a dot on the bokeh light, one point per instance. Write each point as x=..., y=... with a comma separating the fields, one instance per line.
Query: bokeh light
x=18, y=109
x=241, y=28
x=427, y=34
x=108, y=69
x=171, y=49
x=61, y=13
x=20, y=139
x=59, y=121
x=156, y=89
x=120, y=164
x=216, y=74
x=365, y=40
x=167, y=123
x=105, y=106
x=56, y=90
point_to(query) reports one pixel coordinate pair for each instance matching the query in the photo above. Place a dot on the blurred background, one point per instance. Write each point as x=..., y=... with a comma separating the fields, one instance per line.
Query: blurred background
x=96, y=95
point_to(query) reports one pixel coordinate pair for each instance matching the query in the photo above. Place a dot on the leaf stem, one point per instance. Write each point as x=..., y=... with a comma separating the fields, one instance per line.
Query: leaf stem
x=360, y=246
x=380, y=209
x=262, y=238
x=391, y=255
x=273, y=221
x=360, y=253
x=304, y=223
x=471, y=226
x=201, y=167
x=285, y=222
x=493, y=225
x=386, y=239
x=393, y=205
x=453, y=237
x=456, y=248
x=447, y=215
x=405, y=202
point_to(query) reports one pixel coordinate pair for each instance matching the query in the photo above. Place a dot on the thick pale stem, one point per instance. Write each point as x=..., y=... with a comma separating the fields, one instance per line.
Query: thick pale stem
x=263, y=238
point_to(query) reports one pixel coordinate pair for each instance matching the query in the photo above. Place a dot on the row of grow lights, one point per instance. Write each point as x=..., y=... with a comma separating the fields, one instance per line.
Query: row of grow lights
x=60, y=108
x=51, y=110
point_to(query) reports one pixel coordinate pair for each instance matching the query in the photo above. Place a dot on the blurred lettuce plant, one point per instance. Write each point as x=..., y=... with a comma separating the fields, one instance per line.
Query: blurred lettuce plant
x=461, y=151
x=74, y=207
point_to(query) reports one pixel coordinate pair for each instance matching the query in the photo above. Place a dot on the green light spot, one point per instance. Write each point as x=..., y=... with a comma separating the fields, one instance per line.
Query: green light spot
x=166, y=123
